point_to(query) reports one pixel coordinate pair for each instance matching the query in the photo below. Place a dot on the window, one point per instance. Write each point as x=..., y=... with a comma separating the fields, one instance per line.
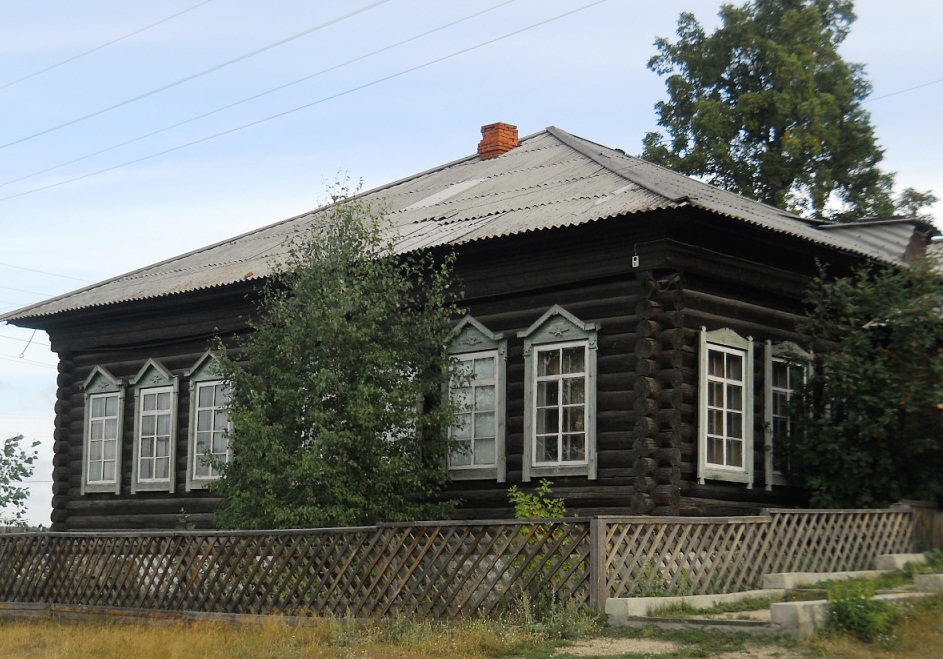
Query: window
x=477, y=432
x=208, y=446
x=559, y=396
x=725, y=428
x=155, y=405
x=784, y=373
x=104, y=407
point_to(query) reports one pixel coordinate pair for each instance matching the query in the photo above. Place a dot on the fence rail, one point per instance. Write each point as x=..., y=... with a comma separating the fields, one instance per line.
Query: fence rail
x=443, y=569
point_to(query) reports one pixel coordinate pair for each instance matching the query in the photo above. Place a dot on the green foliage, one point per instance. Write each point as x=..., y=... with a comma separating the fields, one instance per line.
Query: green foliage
x=336, y=395
x=852, y=609
x=537, y=505
x=866, y=427
x=15, y=467
x=766, y=107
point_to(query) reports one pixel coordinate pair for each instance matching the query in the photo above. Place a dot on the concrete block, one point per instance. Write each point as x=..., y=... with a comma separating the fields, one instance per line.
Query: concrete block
x=800, y=619
x=898, y=561
x=792, y=580
x=929, y=583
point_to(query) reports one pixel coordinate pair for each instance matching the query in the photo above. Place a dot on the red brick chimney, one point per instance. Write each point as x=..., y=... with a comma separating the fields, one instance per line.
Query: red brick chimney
x=497, y=139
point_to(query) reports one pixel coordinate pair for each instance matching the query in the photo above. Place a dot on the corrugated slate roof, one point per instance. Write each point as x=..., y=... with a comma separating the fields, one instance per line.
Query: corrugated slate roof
x=553, y=179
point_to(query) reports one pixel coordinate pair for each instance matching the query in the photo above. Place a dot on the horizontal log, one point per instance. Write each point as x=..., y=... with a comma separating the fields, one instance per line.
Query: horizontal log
x=667, y=475
x=678, y=358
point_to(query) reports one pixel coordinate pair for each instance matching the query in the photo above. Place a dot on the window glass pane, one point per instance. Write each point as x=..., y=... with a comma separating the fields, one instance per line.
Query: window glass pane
x=715, y=394
x=484, y=451
x=574, y=391
x=162, y=468
x=548, y=394
x=573, y=359
x=95, y=451
x=715, y=422
x=715, y=363
x=548, y=362
x=111, y=428
x=145, y=469
x=734, y=397
x=461, y=428
x=203, y=420
x=735, y=454
x=547, y=449
x=206, y=395
x=110, y=448
x=108, y=471
x=220, y=445
x=461, y=396
x=221, y=420
x=148, y=424
x=461, y=455
x=96, y=430
x=734, y=366
x=163, y=424
x=734, y=424
x=780, y=375
x=150, y=402
x=574, y=447
x=111, y=406
x=163, y=401
x=548, y=420
x=147, y=447
x=484, y=368
x=163, y=446
x=98, y=407
x=715, y=450
x=573, y=419
x=484, y=398
x=484, y=425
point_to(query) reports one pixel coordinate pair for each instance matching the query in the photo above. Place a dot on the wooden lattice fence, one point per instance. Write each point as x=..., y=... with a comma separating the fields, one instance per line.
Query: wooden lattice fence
x=671, y=555
x=442, y=569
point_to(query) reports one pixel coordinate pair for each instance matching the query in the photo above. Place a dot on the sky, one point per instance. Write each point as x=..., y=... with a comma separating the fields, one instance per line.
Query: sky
x=135, y=131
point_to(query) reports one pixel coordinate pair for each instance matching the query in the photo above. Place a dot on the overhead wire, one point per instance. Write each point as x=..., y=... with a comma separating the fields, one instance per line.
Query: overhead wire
x=199, y=74
x=104, y=45
x=44, y=272
x=903, y=91
x=304, y=106
x=255, y=96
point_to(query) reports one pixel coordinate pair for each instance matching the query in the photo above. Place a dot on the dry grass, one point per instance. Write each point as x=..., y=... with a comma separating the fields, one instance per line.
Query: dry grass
x=273, y=638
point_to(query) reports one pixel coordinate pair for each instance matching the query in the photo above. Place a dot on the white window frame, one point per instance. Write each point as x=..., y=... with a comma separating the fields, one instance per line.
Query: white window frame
x=101, y=384
x=729, y=342
x=785, y=353
x=204, y=373
x=153, y=378
x=556, y=329
x=475, y=341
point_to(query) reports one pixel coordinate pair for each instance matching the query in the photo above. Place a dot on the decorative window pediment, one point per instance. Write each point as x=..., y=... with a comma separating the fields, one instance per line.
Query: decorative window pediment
x=559, y=396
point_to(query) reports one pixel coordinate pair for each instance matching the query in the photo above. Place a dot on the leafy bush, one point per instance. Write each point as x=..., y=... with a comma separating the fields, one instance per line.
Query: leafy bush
x=852, y=609
x=539, y=505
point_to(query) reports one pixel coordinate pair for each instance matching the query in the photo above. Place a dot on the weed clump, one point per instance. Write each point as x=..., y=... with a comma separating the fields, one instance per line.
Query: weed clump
x=852, y=609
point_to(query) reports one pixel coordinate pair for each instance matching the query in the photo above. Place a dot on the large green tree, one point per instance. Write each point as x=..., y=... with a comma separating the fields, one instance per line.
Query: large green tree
x=765, y=106
x=867, y=429
x=335, y=410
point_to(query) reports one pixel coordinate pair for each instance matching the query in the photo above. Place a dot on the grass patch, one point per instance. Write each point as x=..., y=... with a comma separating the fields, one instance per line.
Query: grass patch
x=684, y=610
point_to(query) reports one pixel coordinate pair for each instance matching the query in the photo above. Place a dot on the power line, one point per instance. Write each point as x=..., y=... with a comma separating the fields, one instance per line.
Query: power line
x=254, y=97
x=23, y=290
x=104, y=45
x=302, y=107
x=43, y=272
x=196, y=75
x=15, y=338
x=903, y=91
x=28, y=362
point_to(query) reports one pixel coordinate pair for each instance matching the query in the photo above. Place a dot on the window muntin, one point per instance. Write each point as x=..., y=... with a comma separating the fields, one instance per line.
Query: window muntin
x=560, y=404
x=211, y=447
x=103, y=439
x=474, y=427
x=786, y=378
x=725, y=406
x=155, y=434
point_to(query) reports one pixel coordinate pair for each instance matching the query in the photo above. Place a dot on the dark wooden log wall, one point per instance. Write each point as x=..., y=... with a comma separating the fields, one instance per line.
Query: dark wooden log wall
x=649, y=316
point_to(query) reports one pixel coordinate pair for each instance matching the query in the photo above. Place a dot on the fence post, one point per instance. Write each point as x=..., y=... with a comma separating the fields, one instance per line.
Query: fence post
x=597, y=565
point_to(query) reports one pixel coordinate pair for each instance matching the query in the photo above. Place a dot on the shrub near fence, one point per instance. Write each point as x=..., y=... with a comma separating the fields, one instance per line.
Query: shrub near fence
x=443, y=569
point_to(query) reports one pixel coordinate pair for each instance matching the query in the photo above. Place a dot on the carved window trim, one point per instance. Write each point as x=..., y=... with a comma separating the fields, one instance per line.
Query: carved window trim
x=729, y=342
x=558, y=328
x=100, y=384
x=153, y=378
x=781, y=353
x=475, y=341
x=204, y=373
